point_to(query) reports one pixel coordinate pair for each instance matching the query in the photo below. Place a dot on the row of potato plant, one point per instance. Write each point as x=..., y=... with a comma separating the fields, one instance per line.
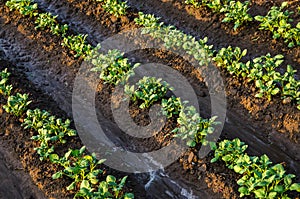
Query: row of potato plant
x=260, y=70
x=76, y=164
x=46, y=21
x=174, y=106
x=277, y=20
x=234, y=11
x=115, y=69
x=147, y=21
x=269, y=82
x=192, y=127
x=260, y=177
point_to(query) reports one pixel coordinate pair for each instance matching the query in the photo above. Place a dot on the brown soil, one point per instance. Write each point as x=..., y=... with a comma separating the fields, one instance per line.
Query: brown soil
x=274, y=126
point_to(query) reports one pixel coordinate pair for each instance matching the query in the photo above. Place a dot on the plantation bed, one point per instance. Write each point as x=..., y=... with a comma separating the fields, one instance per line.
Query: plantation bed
x=52, y=68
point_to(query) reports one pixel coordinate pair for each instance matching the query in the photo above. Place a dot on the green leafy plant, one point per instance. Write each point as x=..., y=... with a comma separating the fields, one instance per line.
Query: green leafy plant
x=17, y=104
x=25, y=7
x=259, y=176
x=113, y=67
x=230, y=58
x=4, y=88
x=216, y=5
x=36, y=119
x=79, y=167
x=174, y=38
x=236, y=11
x=195, y=3
x=110, y=188
x=229, y=151
x=77, y=44
x=46, y=20
x=290, y=86
x=149, y=90
x=50, y=130
x=171, y=106
x=192, y=127
x=278, y=22
x=115, y=7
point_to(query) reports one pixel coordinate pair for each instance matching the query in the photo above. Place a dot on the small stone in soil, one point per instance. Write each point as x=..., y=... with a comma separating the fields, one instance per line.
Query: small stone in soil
x=191, y=156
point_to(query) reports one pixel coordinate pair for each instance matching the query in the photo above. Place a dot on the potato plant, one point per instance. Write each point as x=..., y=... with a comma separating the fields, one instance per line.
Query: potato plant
x=171, y=106
x=25, y=7
x=174, y=38
x=115, y=7
x=77, y=43
x=79, y=167
x=192, y=127
x=236, y=12
x=47, y=21
x=50, y=130
x=83, y=170
x=230, y=59
x=148, y=90
x=113, y=67
x=4, y=88
x=17, y=104
x=278, y=22
x=259, y=176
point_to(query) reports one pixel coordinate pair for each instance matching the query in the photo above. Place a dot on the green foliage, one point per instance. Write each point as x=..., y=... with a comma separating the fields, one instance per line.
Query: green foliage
x=216, y=5
x=110, y=188
x=4, y=88
x=171, y=106
x=115, y=7
x=25, y=7
x=261, y=70
x=79, y=167
x=78, y=44
x=259, y=176
x=50, y=130
x=278, y=22
x=17, y=104
x=113, y=67
x=195, y=3
x=149, y=90
x=236, y=11
x=83, y=170
x=192, y=127
x=174, y=38
x=147, y=20
x=290, y=86
x=230, y=58
x=46, y=20
x=229, y=151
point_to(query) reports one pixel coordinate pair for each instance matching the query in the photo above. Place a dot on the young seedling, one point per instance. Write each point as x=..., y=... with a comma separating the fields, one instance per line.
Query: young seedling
x=149, y=90
x=17, y=104
x=78, y=45
x=4, y=88
x=115, y=7
x=113, y=67
x=25, y=7
x=192, y=127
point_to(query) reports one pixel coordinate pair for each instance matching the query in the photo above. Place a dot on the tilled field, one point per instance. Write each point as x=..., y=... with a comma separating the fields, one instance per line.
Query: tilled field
x=41, y=66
